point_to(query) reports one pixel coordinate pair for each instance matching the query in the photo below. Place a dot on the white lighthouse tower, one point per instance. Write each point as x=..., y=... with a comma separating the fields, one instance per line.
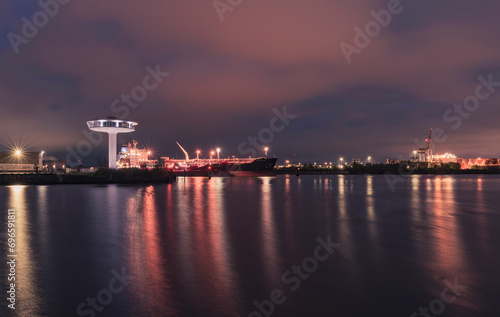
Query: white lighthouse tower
x=112, y=126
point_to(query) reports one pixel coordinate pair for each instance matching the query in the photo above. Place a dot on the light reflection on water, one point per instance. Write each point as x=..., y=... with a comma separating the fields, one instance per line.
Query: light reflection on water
x=211, y=247
x=28, y=292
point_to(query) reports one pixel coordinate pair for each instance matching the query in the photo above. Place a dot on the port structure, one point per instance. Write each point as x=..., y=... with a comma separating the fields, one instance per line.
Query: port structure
x=425, y=153
x=112, y=126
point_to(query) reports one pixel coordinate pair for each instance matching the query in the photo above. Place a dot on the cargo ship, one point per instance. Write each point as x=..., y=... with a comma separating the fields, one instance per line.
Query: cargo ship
x=261, y=166
x=132, y=156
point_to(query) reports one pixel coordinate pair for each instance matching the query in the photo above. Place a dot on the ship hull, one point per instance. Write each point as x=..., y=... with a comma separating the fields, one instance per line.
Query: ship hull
x=216, y=170
x=259, y=167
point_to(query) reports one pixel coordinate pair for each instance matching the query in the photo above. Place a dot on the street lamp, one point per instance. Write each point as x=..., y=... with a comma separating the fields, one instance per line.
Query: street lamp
x=212, y=154
x=369, y=159
x=198, y=154
x=341, y=161
x=18, y=154
x=265, y=150
x=218, y=152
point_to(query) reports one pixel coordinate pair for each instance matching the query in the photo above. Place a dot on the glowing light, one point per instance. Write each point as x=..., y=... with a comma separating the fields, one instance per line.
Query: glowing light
x=445, y=155
x=18, y=146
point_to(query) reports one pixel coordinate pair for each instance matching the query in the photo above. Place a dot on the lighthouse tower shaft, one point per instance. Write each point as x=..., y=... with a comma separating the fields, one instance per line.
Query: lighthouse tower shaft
x=112, y=150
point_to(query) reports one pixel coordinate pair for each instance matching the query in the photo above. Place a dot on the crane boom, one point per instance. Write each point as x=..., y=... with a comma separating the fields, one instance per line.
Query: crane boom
x=429, y=140
x=185, y=153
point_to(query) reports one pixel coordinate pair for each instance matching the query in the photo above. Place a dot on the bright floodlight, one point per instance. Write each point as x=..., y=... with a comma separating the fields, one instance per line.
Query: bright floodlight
x=112, y=126
x=18, y=152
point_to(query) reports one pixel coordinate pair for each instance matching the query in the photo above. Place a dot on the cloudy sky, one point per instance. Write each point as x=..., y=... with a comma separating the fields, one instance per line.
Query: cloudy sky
x=230, y=63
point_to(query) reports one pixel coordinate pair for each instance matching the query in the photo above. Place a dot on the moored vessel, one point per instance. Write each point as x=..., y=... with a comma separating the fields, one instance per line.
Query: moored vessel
x=132, y=156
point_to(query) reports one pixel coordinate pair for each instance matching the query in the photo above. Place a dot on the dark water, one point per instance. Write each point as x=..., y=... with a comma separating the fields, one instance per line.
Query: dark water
x=212, y=247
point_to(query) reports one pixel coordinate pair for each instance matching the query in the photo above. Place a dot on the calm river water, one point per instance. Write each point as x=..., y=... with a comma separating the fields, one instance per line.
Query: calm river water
x=275, y=246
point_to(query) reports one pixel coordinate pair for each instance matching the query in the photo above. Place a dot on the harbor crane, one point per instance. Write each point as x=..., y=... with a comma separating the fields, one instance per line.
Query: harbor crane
x=425, y=153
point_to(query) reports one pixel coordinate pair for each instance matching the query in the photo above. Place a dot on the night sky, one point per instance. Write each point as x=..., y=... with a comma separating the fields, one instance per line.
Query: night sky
x=230, y=66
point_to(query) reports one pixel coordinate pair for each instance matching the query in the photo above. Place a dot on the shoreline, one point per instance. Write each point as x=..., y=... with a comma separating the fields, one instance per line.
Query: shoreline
x=468, y=172
x=106, y=177
x=88, y=179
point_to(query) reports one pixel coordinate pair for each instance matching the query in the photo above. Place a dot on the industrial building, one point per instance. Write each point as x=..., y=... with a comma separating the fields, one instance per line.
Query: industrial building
x=19, y=161
x=54, y=166
x=426, y=155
